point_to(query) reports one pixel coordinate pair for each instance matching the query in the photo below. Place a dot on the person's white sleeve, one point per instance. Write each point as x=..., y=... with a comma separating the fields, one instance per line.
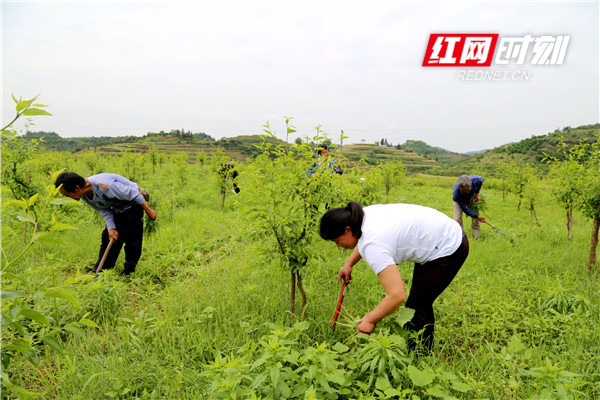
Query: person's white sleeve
x=378, y=257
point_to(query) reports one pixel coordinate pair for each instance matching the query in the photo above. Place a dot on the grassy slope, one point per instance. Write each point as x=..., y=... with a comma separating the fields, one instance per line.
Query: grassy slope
x=204, y=288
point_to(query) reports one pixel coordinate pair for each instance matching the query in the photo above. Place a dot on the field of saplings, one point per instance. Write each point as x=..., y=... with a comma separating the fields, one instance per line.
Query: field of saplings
x=234, y=294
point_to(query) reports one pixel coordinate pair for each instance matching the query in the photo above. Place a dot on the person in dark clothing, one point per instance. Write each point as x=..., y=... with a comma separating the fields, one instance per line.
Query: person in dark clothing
x=122, y=205
x=390, y=234
x=228, y=172
x=466, y=190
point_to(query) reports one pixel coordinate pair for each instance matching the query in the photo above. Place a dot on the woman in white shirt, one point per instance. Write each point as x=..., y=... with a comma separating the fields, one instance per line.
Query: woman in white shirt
x=389, y=234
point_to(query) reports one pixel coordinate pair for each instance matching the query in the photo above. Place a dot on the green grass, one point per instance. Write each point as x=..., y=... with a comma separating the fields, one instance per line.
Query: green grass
x=522, y=308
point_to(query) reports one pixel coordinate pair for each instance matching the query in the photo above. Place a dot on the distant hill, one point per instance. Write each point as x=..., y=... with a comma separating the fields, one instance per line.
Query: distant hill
x=240, y=147
x=531, y=150
x=436, y=153
x=373, y=154
x=417, y=156
x=472, y=153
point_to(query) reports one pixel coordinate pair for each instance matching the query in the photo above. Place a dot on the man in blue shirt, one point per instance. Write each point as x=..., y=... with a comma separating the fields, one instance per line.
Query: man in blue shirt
x=323, y=153
x=466, y=190
x=121, y=204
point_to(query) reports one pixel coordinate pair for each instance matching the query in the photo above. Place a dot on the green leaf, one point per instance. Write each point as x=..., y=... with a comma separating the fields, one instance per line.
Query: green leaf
x=461, y=387
x=62, y=293
x=11, y=294
x=23, y=104
x=89, y=323
x=61, y=226
x=32, y=357
x=382, y=382
x=274, y=373
x=35, y=111
x=32, y=200
x=439, y=391
x=340, y=347
x=20, y=203
x=404, y=316
x=74, y=329
x=19, y=344
x=35, y=316
x=337, y=377
x=392, y=393
x=64, y=201
x=53, y=344
x=26, y=218
x=515, y=345
x=10, y=275
x=418, y=377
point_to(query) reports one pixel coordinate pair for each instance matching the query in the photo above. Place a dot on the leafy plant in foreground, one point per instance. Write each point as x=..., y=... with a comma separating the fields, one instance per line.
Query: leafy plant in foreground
x=33, y=321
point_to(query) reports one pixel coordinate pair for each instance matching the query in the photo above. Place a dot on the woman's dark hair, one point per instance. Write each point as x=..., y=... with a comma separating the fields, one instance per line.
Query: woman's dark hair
x=70, y=181
x=321, y=148
x=334, y=222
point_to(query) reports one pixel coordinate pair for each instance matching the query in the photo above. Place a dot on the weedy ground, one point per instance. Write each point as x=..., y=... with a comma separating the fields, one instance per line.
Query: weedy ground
x=521, y=319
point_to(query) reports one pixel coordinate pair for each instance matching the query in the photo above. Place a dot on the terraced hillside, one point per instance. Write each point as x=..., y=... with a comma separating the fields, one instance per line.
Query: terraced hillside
x=373, y=154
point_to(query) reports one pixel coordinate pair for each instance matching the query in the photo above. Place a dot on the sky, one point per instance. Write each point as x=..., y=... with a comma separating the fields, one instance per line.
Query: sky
x=226, y=68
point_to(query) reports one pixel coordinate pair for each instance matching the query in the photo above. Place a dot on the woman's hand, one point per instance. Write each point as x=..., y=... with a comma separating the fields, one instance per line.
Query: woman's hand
x=345, y=274
x=365, y=326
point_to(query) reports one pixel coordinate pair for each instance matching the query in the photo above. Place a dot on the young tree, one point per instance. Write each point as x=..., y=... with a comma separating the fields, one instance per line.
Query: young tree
x=519, y=179
x=181, y=163
x=503, y=171
x=581, y=168
x=392, y=173
x=285, y=203
x=588, y=155
x=565, y=175
x=154, y=156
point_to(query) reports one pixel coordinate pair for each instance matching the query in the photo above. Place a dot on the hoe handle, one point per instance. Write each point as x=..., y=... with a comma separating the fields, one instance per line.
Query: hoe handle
x=339, y=305
x=496, y=229
x=110, y=243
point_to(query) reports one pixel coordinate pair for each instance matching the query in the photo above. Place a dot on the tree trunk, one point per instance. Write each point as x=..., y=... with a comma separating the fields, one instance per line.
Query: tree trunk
x=532, y=208
x=570, y=221
x=594, y=239
x=293, y=294
x=303, y=294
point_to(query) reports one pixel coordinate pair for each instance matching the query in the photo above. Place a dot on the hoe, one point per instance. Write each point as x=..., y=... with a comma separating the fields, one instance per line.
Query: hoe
x=104, y=257
x=339, y=305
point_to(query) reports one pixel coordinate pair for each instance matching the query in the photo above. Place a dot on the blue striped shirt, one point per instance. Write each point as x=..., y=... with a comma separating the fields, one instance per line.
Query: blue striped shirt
x=112, y=194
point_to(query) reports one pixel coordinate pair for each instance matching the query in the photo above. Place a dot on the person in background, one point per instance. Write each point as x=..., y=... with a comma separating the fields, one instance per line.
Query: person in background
x=121, y=204
x=228, y=172
x=323, y=153
x=466, y=190
x=386, y=235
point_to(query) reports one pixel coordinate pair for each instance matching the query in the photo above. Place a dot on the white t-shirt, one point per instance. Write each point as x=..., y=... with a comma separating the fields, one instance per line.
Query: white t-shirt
x=394, y=233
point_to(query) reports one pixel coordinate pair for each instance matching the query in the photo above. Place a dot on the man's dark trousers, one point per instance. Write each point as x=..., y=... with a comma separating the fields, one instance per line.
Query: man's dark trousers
x=130, y=226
